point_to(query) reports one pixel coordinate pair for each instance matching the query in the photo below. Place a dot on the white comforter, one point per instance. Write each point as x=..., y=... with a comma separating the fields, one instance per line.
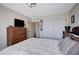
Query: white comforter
x=34, y=46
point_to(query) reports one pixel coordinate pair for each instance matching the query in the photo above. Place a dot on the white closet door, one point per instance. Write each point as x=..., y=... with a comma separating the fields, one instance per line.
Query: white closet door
x=58, y=28
x=47, y=31
x=52, y=29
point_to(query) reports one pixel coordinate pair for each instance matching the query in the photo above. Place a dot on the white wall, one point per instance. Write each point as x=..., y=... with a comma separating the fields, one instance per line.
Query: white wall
x=7, y=19
x=53, y=25
x=75, y=11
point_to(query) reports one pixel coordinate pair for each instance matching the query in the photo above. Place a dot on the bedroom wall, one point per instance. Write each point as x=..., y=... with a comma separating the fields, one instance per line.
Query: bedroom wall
x=7, y=19
x=50, y=30
x=74, y=11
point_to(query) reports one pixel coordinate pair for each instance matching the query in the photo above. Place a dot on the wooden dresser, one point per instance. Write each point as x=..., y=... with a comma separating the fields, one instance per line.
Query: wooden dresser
x=16, y=35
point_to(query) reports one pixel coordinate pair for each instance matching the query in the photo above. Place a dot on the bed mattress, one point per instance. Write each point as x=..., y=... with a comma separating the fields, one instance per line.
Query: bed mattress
x=34, y=46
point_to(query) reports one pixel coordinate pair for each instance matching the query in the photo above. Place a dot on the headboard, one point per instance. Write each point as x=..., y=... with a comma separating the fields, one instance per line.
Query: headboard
x=75, y=30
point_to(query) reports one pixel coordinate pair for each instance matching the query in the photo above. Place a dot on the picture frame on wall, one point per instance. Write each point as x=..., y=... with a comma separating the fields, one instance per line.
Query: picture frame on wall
x=73, y=19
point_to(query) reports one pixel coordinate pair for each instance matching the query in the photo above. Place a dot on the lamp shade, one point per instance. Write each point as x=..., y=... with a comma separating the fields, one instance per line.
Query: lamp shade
x=67, y=28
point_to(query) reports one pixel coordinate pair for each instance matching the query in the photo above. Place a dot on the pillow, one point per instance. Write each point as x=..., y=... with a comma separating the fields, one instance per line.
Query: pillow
x=64, y=44
x=73, y=49
x=75, y=37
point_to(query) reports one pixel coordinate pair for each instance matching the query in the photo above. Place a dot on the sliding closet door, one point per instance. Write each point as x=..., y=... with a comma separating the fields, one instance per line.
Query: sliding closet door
x=52, y=29
x=58, y=28
x=47, y=31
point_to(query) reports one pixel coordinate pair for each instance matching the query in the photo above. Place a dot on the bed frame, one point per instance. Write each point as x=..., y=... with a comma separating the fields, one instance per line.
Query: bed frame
x=16, y=35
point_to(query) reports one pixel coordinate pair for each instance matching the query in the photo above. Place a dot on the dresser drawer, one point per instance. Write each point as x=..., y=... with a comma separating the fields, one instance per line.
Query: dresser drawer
x=19, y=36
x=18, y=31
x=17, y=40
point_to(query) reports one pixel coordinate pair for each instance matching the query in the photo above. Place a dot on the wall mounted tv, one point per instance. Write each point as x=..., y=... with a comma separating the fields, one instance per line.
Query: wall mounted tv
x=18, y=23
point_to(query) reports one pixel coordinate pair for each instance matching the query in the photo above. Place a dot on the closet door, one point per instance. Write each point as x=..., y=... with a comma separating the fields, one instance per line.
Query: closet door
x=52, y=29
x=47, y=31
x=58, y=28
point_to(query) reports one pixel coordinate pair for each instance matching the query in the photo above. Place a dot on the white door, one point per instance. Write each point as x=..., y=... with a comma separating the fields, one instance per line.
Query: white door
x=30, y=29
x=52, y=29
x=58, y=28
x=47, y=31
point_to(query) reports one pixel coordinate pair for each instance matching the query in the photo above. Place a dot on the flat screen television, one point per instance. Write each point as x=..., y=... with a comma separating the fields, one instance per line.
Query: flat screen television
x=18, y=23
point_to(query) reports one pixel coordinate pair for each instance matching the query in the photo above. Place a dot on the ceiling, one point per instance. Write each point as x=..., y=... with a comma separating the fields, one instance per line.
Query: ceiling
x=42, y=9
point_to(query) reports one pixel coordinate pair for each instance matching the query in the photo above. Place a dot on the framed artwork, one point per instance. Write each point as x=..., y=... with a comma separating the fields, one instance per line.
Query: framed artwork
x=73, y=19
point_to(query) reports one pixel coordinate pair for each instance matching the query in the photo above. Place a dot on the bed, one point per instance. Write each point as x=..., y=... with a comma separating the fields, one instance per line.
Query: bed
x=39, y=46
x=34, y=46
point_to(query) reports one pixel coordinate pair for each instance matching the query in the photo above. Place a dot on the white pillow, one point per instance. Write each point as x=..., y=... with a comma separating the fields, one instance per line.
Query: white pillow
x=75, y=35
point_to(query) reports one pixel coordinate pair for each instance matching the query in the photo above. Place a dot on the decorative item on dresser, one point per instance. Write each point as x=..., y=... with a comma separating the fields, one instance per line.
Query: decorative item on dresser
x=67, y=28
x=16, y=35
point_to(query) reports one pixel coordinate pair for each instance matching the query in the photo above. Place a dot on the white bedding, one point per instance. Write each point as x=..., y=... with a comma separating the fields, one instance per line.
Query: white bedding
x=34, y=46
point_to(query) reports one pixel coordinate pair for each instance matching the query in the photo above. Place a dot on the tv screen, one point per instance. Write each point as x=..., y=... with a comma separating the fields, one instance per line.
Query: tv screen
x=18, y=23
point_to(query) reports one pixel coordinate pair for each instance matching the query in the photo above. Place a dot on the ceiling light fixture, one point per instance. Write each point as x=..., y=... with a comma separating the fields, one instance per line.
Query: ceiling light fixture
x=31, y=4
